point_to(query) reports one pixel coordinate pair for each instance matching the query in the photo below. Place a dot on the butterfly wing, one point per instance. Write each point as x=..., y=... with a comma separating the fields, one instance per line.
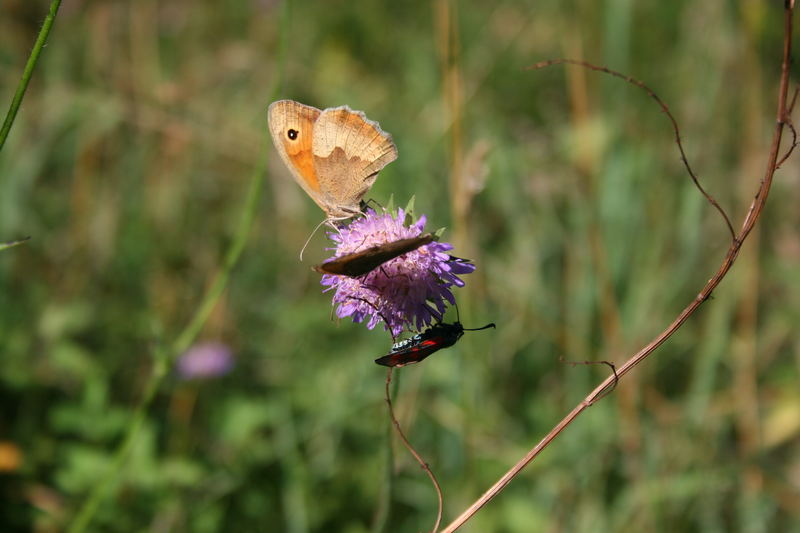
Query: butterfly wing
x=291, y=125
x=359, y=263
x=349, y=150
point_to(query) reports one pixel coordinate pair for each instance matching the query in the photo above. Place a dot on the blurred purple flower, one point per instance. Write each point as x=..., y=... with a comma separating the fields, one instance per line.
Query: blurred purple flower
x=408, y=291
x=205, y=360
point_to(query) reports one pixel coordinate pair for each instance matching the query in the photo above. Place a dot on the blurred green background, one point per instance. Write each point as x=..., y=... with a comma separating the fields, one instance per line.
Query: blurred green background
x=129, y=164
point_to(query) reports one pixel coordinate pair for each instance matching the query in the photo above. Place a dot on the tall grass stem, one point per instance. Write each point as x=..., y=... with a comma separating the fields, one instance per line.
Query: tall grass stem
x=28, y=72
x=164, y=357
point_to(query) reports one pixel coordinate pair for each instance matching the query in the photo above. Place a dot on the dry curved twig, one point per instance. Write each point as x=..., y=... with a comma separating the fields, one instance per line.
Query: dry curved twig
x=399, y=430
x=790, y=125
x=730, y=257
x=664, y=108
x=411, y=449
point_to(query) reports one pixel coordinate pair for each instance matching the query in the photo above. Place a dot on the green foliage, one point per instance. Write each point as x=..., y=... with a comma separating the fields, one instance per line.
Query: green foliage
x=128, y=164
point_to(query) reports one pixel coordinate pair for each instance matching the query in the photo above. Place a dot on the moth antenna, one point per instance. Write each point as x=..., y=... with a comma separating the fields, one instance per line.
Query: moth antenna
x=303, y=249
x=487, y=326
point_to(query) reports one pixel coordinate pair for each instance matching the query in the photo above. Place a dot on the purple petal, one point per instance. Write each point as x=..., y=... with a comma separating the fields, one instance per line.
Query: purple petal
x=409, y=291
x=205, y=360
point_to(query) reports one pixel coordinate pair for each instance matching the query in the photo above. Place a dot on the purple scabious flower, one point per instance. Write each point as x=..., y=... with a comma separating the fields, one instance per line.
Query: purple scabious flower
x=205, y=360
x=405, y=292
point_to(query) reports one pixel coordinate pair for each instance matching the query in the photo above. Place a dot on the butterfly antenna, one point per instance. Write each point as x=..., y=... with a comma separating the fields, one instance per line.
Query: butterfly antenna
x=309, y=238
x=487, y=326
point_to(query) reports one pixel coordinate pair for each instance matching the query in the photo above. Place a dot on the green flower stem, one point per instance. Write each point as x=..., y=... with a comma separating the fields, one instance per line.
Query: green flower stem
x=384, y=506
x=28, y=72
x=165, y=357
x=4, y=245
x=100, y=490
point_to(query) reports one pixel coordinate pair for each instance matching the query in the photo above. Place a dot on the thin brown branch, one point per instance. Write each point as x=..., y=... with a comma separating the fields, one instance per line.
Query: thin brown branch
x=788, y=119
x=730, y=257
x=793, y=144
x=609, y=364
x=397, y=427
x=790, y=107
x=396, y=424
x=664, y=108
x=411, y=449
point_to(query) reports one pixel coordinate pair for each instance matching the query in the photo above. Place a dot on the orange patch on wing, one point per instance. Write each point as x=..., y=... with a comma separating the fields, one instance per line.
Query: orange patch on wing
x=303, y=161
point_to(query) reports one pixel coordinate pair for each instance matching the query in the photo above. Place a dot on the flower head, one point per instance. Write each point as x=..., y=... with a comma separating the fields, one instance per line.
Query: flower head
x=408, y=291
x=205, y=360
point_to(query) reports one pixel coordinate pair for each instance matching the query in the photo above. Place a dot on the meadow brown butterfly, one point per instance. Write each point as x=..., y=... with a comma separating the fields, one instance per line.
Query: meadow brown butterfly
x=334, y=154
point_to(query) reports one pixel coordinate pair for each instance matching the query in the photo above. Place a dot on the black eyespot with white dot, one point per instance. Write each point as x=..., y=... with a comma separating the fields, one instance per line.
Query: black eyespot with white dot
x=292, y=134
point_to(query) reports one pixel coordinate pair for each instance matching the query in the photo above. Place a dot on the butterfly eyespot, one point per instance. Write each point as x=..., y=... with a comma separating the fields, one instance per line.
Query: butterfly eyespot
x=292, y=134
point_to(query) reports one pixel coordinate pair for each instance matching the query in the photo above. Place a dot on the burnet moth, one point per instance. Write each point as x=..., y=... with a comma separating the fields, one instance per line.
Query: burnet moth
x=363, y=262
x=420, y=346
